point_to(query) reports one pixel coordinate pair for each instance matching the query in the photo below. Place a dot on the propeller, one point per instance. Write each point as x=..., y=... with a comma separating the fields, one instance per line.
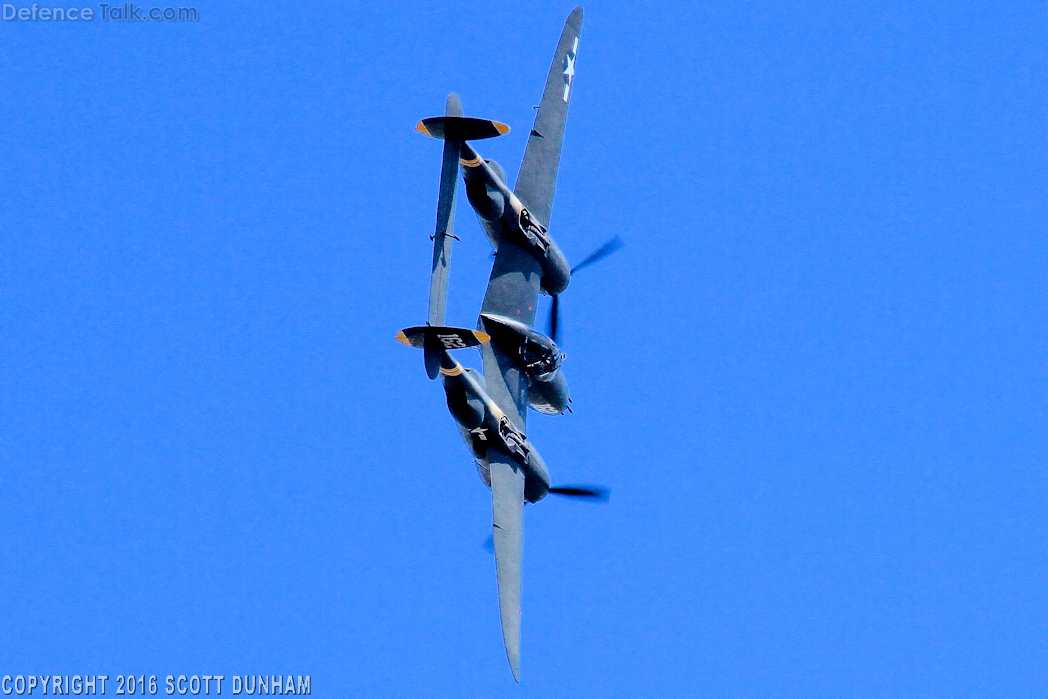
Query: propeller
x=600, y=253
x=588, y=492
x=597, y=255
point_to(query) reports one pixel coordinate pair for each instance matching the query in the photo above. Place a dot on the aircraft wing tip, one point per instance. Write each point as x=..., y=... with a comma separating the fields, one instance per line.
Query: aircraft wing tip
x=513, y=655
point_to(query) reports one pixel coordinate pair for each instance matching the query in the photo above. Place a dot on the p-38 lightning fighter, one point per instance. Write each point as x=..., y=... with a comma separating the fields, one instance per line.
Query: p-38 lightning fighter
x=521, y=365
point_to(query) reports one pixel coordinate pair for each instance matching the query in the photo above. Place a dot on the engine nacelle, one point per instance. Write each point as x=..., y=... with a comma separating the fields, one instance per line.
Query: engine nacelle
x=467, y=409
x=536, y=478
x=485, y=196
x=533, y=236
x=501, y=213
x=555, y=271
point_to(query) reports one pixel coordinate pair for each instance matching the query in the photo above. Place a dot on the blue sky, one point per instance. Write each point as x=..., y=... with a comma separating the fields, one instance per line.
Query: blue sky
x=815, y=378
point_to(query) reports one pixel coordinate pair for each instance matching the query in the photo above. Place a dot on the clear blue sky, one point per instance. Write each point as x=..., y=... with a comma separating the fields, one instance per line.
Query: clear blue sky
x=815, y=379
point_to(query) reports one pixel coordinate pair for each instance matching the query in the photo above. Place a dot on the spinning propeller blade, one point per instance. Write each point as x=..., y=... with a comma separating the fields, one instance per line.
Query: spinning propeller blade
x=588, y=492
x=600, y=253
x=553, y=323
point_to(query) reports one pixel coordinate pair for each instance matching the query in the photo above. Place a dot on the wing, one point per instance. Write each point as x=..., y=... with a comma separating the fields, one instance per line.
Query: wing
x=507, y=505
x=537, y=179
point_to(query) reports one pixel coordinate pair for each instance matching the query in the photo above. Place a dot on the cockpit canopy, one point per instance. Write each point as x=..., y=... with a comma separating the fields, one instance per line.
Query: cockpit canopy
x=541, y=358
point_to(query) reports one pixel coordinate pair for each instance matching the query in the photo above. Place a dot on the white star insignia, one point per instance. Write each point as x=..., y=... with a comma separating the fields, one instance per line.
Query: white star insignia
x=569, y=68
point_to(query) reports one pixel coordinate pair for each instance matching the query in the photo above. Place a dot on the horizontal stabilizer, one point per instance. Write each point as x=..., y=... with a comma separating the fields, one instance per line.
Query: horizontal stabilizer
x=459, y=128
x=436, y=340
x=444, y=337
